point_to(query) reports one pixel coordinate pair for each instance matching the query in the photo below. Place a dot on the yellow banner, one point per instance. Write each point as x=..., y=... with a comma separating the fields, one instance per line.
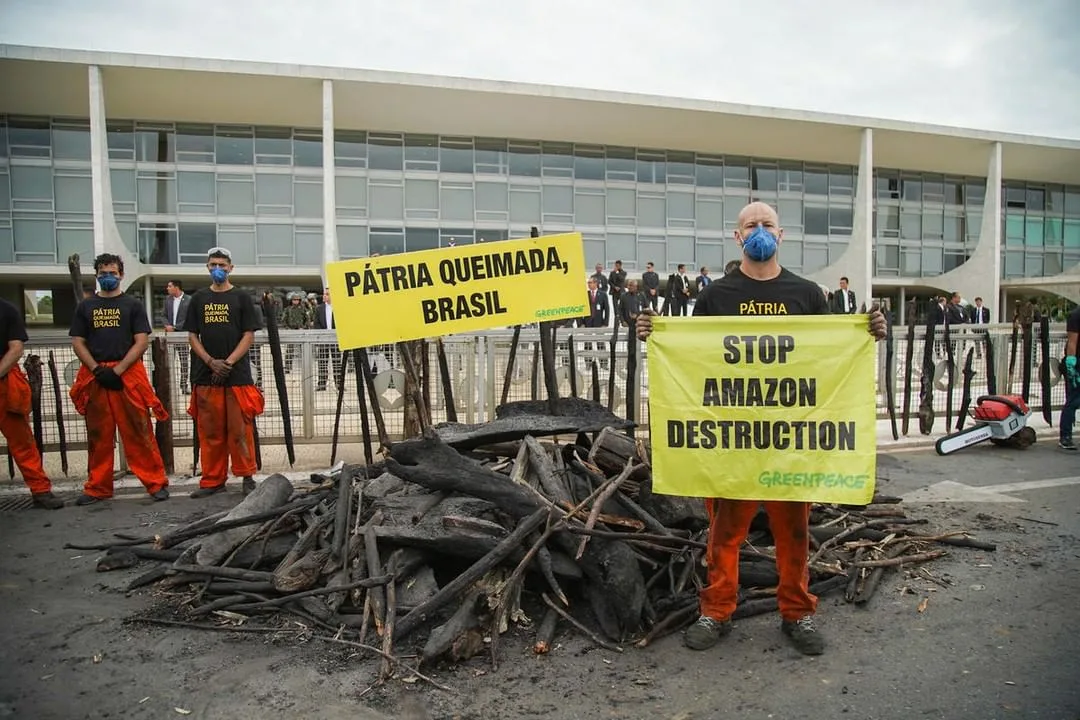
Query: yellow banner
x=763, y=408
x=394, y=298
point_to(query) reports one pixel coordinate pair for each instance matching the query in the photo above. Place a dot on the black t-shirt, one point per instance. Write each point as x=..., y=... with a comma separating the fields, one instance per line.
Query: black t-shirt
x=220, y=319
x=12, y=326
x=785, y=294
x=1072, y=324
x=109, y=325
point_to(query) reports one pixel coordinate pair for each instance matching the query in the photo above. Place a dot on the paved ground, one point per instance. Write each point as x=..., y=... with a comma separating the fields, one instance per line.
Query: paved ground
x=997, y=642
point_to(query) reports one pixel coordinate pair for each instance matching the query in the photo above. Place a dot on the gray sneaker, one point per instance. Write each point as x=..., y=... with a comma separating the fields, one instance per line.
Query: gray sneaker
x=706, y=632
x=804, y=635
x=1067, y=444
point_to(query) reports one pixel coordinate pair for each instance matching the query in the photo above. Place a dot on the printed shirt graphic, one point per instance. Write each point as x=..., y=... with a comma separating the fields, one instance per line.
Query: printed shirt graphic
x=220, y=319
x=762, y=406
x=109, y=325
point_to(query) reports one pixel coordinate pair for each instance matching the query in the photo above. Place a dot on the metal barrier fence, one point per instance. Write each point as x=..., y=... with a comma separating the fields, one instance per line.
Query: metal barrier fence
x=477, y=364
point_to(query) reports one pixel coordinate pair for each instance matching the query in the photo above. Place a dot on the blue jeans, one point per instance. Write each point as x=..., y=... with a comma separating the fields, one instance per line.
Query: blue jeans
x=1068, y=411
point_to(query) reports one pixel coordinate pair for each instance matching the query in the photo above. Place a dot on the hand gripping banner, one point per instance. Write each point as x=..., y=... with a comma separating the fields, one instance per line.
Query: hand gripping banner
x=763, y=408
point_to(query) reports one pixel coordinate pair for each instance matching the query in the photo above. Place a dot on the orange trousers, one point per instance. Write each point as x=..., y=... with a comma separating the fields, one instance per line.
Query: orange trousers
x=126, y=411
x=729, y=522
x=226, y=420
x=15, y=426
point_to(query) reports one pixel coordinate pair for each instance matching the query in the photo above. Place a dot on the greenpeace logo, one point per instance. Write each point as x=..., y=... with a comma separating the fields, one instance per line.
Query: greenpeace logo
x=572, y=309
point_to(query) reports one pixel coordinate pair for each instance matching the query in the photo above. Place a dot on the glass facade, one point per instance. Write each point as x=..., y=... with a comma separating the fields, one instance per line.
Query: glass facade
x=1040, y=232
x=178, y=189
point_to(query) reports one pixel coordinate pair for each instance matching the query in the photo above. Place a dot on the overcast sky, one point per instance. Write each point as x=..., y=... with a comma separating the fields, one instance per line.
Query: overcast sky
x=1010, y=65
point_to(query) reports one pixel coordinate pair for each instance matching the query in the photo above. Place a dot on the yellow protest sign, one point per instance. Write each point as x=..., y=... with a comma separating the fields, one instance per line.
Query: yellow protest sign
x=422, y=294
x=763, y=408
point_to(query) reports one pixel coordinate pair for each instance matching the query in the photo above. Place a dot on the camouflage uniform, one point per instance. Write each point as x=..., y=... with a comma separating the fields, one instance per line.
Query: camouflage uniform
x=294, y=317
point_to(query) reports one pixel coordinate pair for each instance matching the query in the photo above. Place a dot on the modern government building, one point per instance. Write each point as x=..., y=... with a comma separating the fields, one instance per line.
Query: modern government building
x=161, y=158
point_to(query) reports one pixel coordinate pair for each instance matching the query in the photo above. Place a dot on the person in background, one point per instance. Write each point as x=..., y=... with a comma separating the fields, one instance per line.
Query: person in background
x=176, y=307
x=109, y=334
x=732, y=266
x=843, y=300
x=328, y=354
x=15, y=398
x=616, y=282
x=225, y=401
x=763, y=281
x=703, y=280
x=979, y=315
x=632, y=303
x=651, y=282
x=600, y=278
x=295, y=316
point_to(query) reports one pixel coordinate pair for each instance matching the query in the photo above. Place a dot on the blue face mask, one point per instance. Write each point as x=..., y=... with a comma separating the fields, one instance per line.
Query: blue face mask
x=759, y=245
x=108, y=283
x=219, y=275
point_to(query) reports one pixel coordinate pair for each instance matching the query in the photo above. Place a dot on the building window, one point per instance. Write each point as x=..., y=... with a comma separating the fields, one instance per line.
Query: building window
x=74, y=193
x=456, y=201
x=387, y=200
x=234, y=146
x=274, y=244
x=235, y=194
x=71, y=140
x=350, y=149
x=195, y=143
x=350, y=196
x=386, y=241
x=196, y=193
x=307, y=148
x=816, y=221
x=157, y=192
x=273, y=194
x=195, y=240
x=421, y=239
x=456, y=155
x=29, y=138
x=421, y=152
x=352, y=241
x=308, y=196
x=273, y=146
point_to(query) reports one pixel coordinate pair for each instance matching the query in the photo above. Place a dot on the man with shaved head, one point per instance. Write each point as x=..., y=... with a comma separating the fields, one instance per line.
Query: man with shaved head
x=761, y=286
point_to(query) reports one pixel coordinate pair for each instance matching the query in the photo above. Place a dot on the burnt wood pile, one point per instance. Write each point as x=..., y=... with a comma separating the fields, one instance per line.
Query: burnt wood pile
x=545, y=522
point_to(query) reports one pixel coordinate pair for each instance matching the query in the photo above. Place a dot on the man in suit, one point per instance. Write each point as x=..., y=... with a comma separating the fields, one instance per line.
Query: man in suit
x=328, y=354
x=651, y=281
x=175, y=315
x=843, y=300
x=679, y=291
x=703, y=279
x=600, y=278
x=599, y=312
x=631, y=304
x=979, y=315
x=616, y=282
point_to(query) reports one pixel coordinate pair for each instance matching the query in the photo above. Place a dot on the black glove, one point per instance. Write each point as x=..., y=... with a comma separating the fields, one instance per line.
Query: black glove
x=107, y=378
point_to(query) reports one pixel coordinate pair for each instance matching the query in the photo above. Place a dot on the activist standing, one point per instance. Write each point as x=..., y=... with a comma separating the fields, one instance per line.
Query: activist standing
x=759, y=282
x=109, y=334
x=225, y=401
x=15, y=409
x=1072, y=381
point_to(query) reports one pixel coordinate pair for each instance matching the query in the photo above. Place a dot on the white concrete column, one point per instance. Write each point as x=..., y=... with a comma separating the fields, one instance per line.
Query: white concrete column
x=330, y=243
x=106, y=234
x=148, y=297
x=990, y=232
x=862, y=226
x=980, y=276
x=856, y=263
